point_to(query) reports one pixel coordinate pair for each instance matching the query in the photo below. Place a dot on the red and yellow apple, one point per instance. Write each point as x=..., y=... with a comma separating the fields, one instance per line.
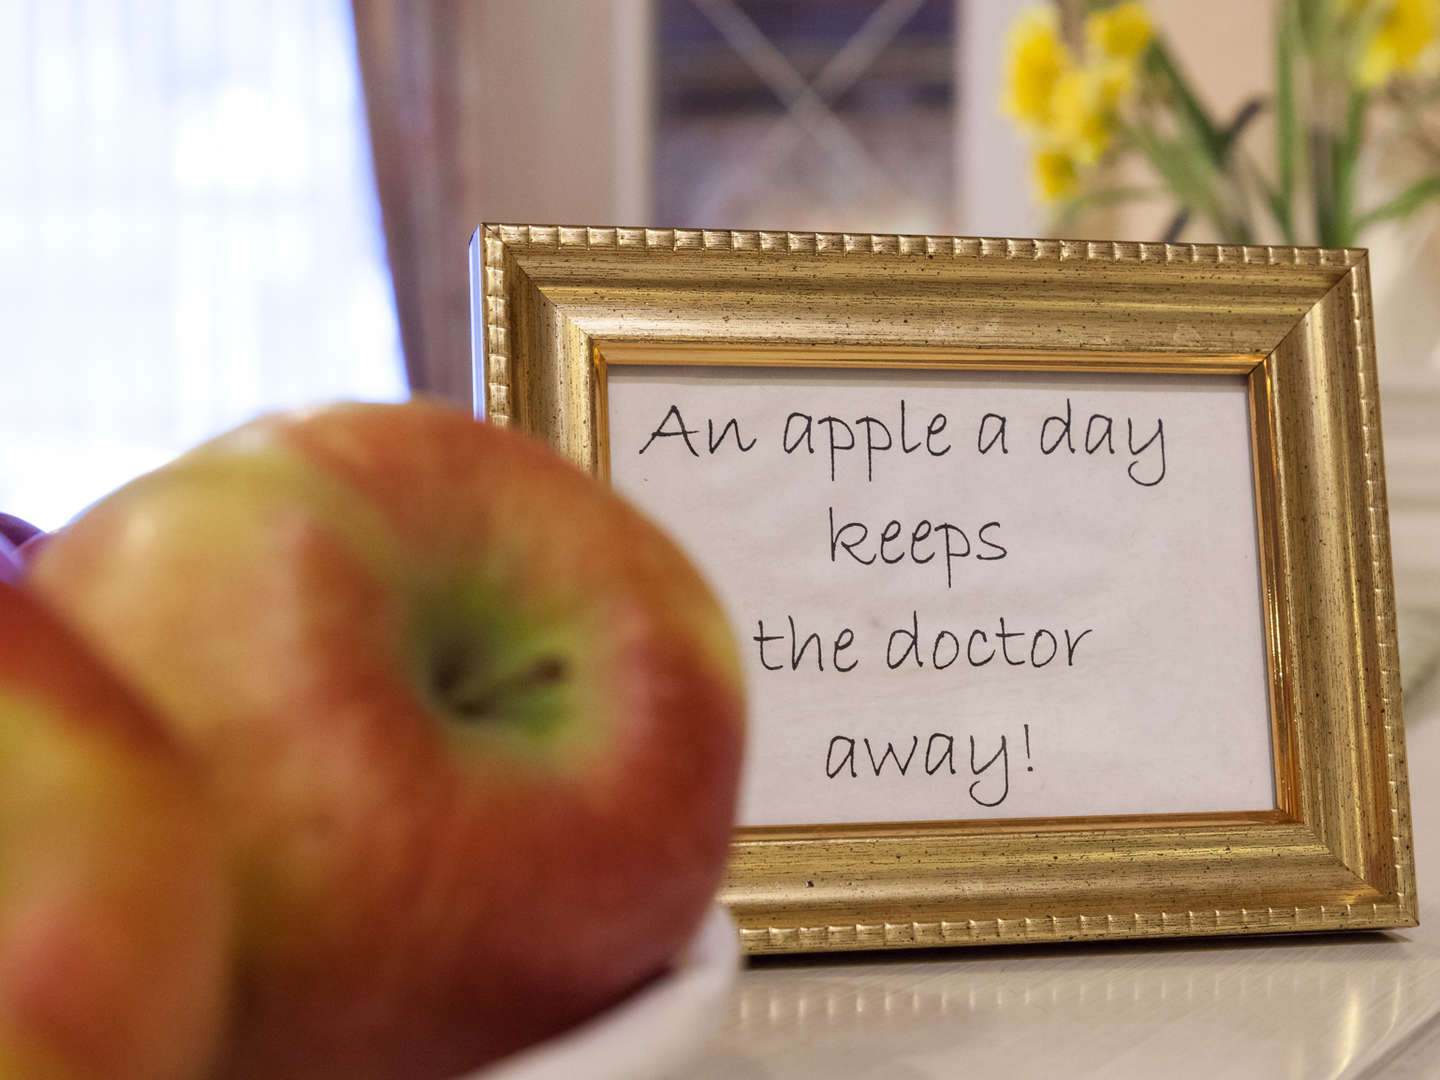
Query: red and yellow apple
x=114, y=914
x=473, y=724
x=31, y=548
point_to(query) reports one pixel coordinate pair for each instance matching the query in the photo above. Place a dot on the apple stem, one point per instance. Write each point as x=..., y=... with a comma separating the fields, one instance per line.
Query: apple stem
x=470, y=702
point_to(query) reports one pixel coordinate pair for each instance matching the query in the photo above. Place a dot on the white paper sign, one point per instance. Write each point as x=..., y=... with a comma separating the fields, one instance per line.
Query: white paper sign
x=970, y=594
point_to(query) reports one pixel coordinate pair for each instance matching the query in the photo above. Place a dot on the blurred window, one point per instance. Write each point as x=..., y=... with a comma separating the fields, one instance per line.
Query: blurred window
x=188, y=233
x=801, y=115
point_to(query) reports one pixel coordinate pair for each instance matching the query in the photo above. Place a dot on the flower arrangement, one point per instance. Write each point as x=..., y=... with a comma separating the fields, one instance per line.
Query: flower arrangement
x=1347, y=73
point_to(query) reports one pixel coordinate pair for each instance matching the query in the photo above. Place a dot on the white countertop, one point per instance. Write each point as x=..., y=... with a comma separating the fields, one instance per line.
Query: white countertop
x=1344, y=1005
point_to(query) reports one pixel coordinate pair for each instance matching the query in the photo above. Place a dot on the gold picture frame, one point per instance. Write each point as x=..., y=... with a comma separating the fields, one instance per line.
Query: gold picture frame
x=552, y=306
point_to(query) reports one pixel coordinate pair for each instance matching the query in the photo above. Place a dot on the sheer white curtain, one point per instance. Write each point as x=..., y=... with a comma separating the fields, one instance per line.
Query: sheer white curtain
x=188, y=233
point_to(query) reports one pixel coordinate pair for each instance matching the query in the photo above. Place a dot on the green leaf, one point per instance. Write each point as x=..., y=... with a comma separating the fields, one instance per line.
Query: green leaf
x=1231, y=135
x=1314, y=19
x=1402, y=205
x=1178, y=221
x=1190, y=112
x=1188, y=172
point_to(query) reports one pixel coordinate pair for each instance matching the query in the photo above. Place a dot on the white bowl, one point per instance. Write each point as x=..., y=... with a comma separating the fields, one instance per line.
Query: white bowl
x=650, y=1033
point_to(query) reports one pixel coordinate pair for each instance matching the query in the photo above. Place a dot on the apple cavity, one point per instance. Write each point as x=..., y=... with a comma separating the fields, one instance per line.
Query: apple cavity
x=114, y=915
x=474, y=725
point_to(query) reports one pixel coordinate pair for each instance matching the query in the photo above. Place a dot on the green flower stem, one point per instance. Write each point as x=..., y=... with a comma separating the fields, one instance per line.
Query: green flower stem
x=1334, y=158
x=1322, y=182
x=1346, y=168
x=1402, y=205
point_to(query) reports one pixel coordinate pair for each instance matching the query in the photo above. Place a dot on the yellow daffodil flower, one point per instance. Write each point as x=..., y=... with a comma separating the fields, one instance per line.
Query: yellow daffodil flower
x=1055, y=174
x=1120, y=32
x=1403, y=40
x=1036, y=61
x=1070, y=107
x=1084, y=114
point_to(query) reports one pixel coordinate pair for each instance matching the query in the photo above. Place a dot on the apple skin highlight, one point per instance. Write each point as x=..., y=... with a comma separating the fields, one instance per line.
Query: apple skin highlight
x=473, y=724
x=114, y=908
